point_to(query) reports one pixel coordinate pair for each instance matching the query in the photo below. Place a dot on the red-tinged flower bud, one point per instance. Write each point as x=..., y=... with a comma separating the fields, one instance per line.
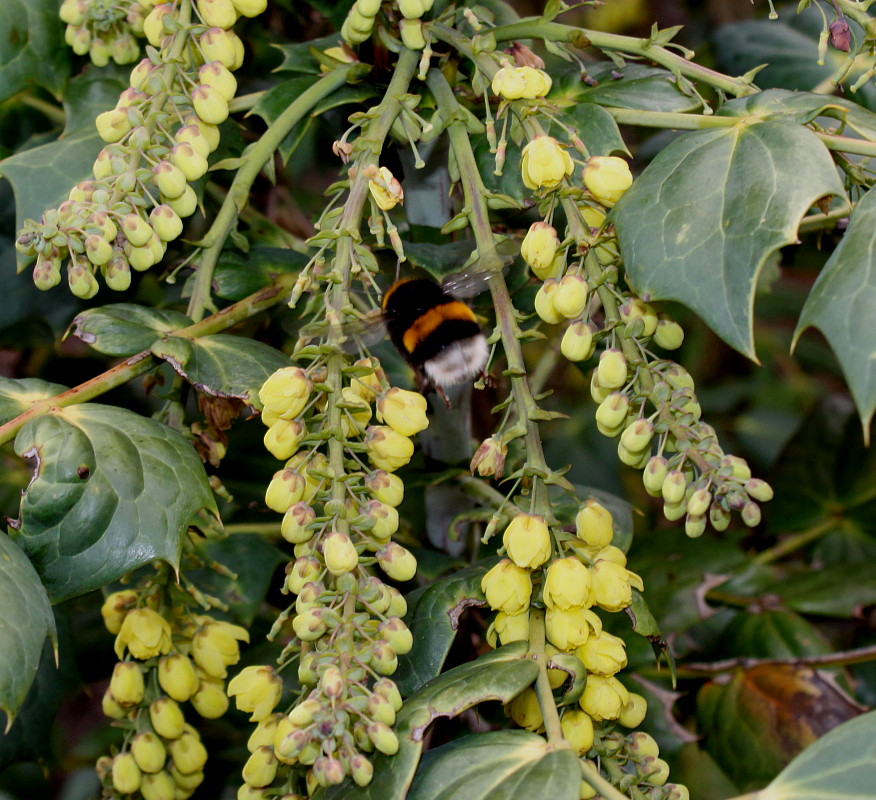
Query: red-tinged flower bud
x=384, y=517
x=383, y=659
x=126, y=775
x=303, y=571
x=387, y=449
x=309, y=625
x=594, y=524
x=380, y=710
x=577, y=730
x=383, y=738
x=612, y=412
x=166, y=717
x=79, y=38
x=116, y=607
x=217, y=13
x=607, y=178
x=758, y=490
x=567, y=584
x=339, y=553
x=604, y=697
x=295, y=527
x=612, y=369
x=840, y=35
x=669, y=335
x=525, y=711
x=328, y=771
x=257, y=690
x=577, y=343
x=385, y=487
x=264, y=733
x=527, y=540
x=192, y=136
x=286, y=391
x=153, y=25
x=544, y=302
x=397, y=635
x=719, y=517
x=187, y=752
x=638, y=435
x=507, y=587
x=73, y=12
x=654, y=475
x=217, y=75
x=177, y=677
x=397, y=562
x=191, y=163
x=570, y=299
x=98, y=52
x=185, y=205
x=113, y=125
x=218, y=45
x=751, y=514
x=674, y=486
x=544, y=163
x=209, y=104
x=148, y=751
x=653, y=770
x=283, y=438
x=126, y=684
x=698, y=503
x=168, y=179
x=165, y=222
x=633, y=713
x=361, y=770
x=489, y=460
x=675, y=791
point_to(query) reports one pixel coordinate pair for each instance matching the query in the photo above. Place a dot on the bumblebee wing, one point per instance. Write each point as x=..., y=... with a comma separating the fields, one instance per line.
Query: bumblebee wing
x=359, y=332
x=475, y=274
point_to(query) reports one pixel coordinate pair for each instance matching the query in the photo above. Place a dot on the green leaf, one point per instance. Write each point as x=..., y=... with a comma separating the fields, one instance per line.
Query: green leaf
x=596, y=127
x=632, y=86
x=841, y=305
x=433, y=616
x=439, y=260
x=297, y=56
x=43, y=176
x=32, y=48
x=772, y=633
x=239, y=275
x=124, y=329
x=222, y=365
x=26, y=622
x=700, y=222
x=499, y=675
x=758, y=721
x=498, y=765
x=839, y=766
x=112, y=491
x=17, y=396
x=253, y=562
x=817, y=592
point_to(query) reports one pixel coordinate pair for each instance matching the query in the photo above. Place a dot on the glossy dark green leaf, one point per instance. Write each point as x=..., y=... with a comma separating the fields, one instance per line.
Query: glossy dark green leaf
x=124, y=329
x=253, y=562
x=498, y=765
x=433, y=615
x=239, y=275
x=700, y=222
x=41, y=177
x=17, y=396
x=112, y=491
x=25, y=623
x=498, y=675
x=839, y=766
x=222, y=365
x=32, y=49
x=838, y=591
x=772, y=633
x=631, y=86
x=841, y=305
x=755, y=723
x=297, y=56
x=596, y=127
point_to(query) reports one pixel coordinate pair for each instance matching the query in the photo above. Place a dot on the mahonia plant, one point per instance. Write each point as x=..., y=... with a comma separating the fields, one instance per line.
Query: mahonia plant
x=340, y=433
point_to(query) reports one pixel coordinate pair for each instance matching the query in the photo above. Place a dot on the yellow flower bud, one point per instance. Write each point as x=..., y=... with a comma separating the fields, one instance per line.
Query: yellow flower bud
x=570, y=299
x=169, y=179
x=256, y=689
x=167, y=718
x=264, y=733
x=539, y=249
x=217, y=75
x=126, y=684
x=250, y=8
x=385, y=189
x=525, y=711
x=403, y=411
x=110, y=707
x=385, y=487
x=158, y=786
x=594, y=525
x=218, y=45
x=385, y=518
x=115, y=608
x=386, y=448
x=569, y=628
x=507, y=628
x=489, y=460
x=187, y=752
x=217, y=13
x=544, y=163
x=397, y=562
x=607, y=178
x=177, y=677
x=113, y=125
x=126, y=775
x=633, y=713
x=509, y=84
x=527, y=540
x=165, y=222
x=286, y=392
x=411, y=9
x=612, y=369
x=340, y=553
x=507, y=587
x=669, y=335
x=214, y=646
x=210, y=701
x=612, y=585
x=577, y=730
x=283, y=438
x=536, y=82
x=544, y=302
x=209, y=104
x=567, y=584
x=148, y=751
x=295, y=527
x=577, y=343
x=260, y=768
x=412, y=34
x=604, y=697
x=603, y=654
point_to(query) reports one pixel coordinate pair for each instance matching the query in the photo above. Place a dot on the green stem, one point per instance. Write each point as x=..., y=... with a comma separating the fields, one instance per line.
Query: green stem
x=144, y=361
x=590, y=774
x=53, y=113
x=254, y=159
x=506, y=315
x=644, y=48
x=543, y=691
x=797, y=540
x=860, y=655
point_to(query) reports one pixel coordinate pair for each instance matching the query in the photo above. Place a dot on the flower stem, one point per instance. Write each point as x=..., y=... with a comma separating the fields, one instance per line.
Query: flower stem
x=590, y=774
x=543, y=690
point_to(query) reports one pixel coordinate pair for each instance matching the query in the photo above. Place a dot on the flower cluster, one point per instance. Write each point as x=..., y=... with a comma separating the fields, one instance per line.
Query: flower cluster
x=347, y=626
x=159, y=137
x=516, y=83
x=359, y=23
x=169, y=657
x=104, y=31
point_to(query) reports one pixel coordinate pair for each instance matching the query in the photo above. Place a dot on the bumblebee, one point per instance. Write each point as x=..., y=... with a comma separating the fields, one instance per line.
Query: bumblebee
x=435, y=333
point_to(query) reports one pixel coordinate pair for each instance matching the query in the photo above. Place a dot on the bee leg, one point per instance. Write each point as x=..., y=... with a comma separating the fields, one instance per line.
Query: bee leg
x=487, y=381
x=441, y=394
